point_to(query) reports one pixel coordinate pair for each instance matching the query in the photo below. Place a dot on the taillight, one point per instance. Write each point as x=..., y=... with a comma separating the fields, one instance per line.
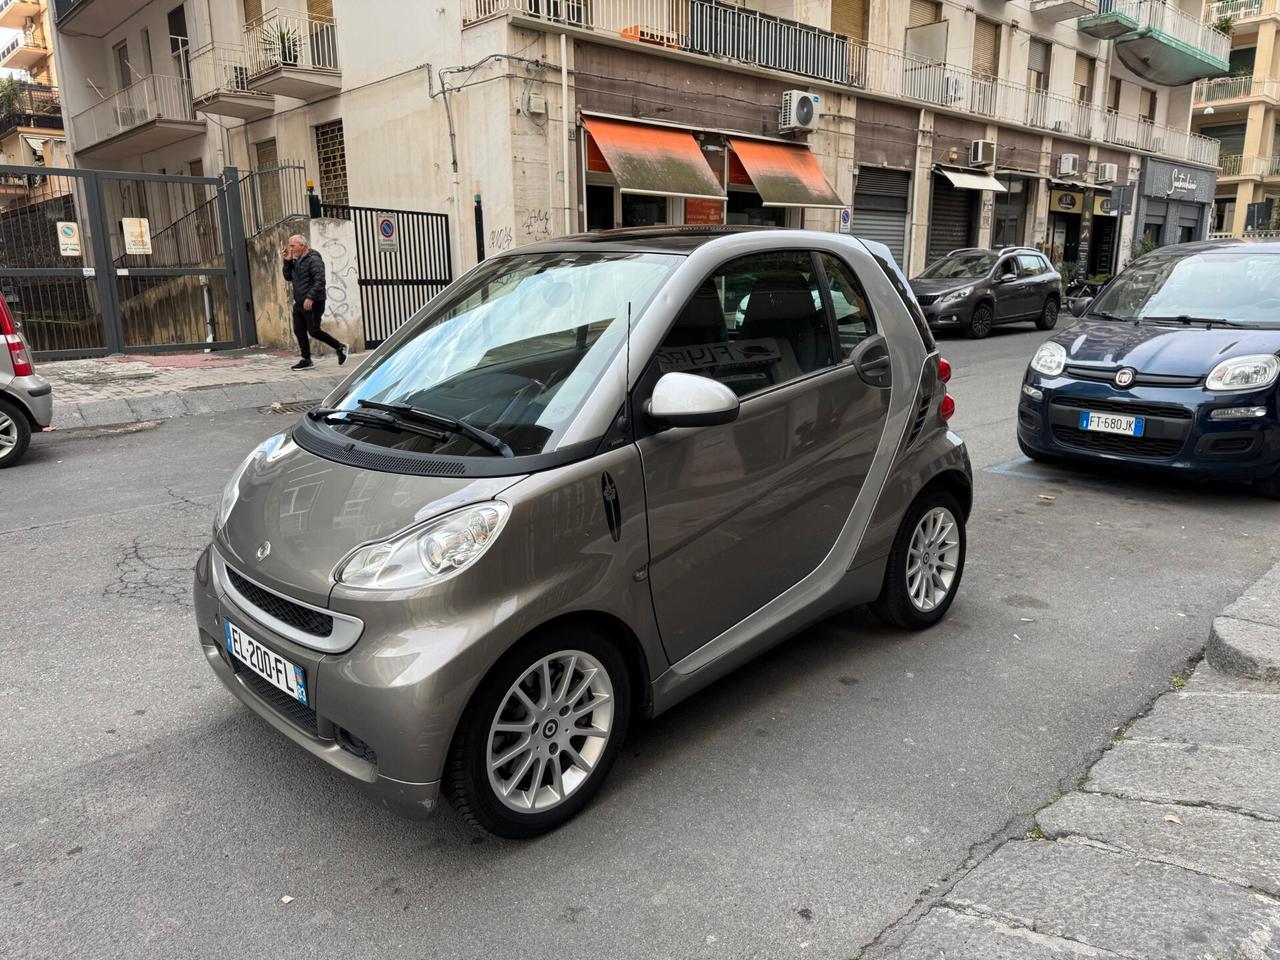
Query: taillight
x=17, y=349
x=944, y=370
x=948, y=407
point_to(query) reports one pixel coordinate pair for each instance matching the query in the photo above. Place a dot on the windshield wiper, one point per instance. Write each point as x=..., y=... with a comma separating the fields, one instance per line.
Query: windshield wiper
x=382, y=421
x=1111, y=316
x=1188, y=320
x=405, y=412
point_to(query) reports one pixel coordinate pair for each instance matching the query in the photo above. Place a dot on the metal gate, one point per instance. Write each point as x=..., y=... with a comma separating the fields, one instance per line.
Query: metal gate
x=400, y=273
x=94, y=262
x=880, y=202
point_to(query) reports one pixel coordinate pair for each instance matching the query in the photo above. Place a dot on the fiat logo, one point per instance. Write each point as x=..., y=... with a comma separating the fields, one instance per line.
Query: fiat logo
x=1124, y=377
x=264, y=550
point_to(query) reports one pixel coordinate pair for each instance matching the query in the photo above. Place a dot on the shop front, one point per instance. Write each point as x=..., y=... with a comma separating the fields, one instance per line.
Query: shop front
x=953, y=220
x=645, y=174
x=1174, y=203
x=1083, y=229
x=1009, y=226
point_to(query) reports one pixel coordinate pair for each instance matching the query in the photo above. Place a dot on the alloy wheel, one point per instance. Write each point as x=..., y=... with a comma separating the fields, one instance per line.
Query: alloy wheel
x=550, y=731
x=980, y=322
x=8, y=435
x=932, y=559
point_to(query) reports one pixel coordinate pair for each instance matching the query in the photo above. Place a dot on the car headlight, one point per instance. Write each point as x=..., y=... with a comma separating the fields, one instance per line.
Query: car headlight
x=427, y=554
x=268, y=449
x=1050, y=359
x=1244, y=373
x=958, y=294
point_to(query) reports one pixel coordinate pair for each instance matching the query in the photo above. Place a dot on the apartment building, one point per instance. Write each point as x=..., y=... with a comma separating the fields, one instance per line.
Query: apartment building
x=927, y=124
x=1242, y=111
x=30, y=110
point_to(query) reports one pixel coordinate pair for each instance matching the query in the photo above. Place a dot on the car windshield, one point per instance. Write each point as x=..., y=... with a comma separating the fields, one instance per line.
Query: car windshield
x=961, y=266
x=514, y=352
x=1236, y=285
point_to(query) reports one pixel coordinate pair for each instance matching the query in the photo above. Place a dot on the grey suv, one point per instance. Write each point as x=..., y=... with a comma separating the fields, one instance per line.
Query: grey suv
x=26, y=399
x=975, y=289
x=575, y=489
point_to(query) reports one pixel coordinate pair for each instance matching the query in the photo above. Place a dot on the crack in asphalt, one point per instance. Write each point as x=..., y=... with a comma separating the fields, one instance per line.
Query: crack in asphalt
x=194, y=501
x=154, y=574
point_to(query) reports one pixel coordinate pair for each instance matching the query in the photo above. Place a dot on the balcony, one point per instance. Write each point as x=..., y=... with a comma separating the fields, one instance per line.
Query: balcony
x=35, y=106
x=24, y=51
x=152, y=113
x=1240, y=9
x=94, y=18
x=1159, y=42
x=1235, y=90
x=15, y=13
x=1237, y=167
x=1059, y=10
x=220, y=83
x=292, y=54
x=14, y=185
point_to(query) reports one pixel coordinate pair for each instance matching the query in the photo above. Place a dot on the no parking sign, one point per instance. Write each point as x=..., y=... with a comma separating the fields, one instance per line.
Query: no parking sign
x=846, y=218
x=388, y=232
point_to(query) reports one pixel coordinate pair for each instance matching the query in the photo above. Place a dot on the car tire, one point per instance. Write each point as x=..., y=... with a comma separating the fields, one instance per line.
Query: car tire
x=904, y=600
x=1269, y=487
x=1048, y=318
x=549, y=773
x=15, y=433
x=980, y=322
x=1032, y=454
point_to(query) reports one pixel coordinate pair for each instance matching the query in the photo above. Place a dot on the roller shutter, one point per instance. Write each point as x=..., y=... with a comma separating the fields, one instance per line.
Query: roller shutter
x=924, y=11
x=849, y=17
x=880, y=205
x=986, y=48
x=950, y=218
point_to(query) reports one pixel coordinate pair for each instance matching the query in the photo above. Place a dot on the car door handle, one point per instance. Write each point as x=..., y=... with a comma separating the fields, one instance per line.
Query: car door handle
x=871, y=359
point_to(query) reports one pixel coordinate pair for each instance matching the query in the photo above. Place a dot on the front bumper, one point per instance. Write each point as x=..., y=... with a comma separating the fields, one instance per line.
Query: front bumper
x=1179, y=435
x=946, y=314
x=35, y=393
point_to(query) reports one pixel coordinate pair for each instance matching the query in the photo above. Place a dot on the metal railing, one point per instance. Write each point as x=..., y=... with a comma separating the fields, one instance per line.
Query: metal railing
x=1174, y=23
x=1043, y=6
x=32, y=39
x=286, y=38
x=272, y=194
x=1234, y=88
x=155, y=97
x=219, y=68
x=1239, y=9
x=1237, y=165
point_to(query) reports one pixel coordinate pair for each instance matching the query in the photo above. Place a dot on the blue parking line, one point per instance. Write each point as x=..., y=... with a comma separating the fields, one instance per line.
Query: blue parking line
x=1013, y=469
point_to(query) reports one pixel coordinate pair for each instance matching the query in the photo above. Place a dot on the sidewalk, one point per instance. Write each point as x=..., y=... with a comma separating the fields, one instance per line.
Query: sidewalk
x=1170, y=848
x=128, y=389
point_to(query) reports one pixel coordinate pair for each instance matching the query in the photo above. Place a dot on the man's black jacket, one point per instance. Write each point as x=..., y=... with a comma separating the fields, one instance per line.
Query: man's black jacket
x=307, y=276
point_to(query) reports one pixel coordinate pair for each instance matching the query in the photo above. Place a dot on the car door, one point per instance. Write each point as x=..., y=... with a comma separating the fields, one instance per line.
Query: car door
x=1038, y=281
x=740, y=512
x=1009, y=295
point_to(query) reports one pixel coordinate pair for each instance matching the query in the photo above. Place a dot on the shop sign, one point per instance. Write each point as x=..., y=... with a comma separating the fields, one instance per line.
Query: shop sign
x=1065, y=201
x=703, y=211
x=1105, y=206
x=1167, y=181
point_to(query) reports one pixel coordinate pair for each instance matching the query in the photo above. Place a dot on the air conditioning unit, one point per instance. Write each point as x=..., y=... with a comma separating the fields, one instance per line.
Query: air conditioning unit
x=800, y=111
x=1107, y=172
x=1069, y=165
x=982, y=153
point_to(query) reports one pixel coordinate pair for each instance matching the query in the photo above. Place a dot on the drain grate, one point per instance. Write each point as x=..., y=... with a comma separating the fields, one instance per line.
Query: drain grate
x=289, y=409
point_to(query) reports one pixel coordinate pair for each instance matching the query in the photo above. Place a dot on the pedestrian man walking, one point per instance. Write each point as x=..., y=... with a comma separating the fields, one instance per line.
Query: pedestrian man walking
x=304, y=268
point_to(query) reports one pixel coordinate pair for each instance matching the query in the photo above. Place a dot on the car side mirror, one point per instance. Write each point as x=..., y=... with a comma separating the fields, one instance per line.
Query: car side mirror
x=1008, y=277
x=1079, y=305
x=687, y=400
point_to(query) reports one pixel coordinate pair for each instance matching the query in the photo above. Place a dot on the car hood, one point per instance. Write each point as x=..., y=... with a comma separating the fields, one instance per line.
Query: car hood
x=313, y=512
x=1151, y=348
x=935, y=287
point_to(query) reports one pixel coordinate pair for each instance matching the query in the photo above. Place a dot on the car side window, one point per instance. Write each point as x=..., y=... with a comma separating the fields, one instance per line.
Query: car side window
x=1007, y=265
x=1032, y=266
x=854, y=322
x=754, y=324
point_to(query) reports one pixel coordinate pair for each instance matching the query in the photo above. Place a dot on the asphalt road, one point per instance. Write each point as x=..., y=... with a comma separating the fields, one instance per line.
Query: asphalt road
x=798, y=808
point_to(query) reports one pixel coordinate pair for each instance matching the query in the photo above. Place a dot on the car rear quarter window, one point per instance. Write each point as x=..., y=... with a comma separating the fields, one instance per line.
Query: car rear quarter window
x=1031, y=264
x=854, y=322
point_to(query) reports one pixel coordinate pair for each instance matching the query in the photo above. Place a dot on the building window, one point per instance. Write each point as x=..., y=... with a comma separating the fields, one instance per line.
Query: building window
x=124, y=73
x=849, y=17
x=1147, y=105
x=1084, y=78
x=331, y=154
x=252, y=10
x=146, y=53
x=1039, y=57
x=925, y=12
x=986, y=48
x=179, y=43
x=1116, y=92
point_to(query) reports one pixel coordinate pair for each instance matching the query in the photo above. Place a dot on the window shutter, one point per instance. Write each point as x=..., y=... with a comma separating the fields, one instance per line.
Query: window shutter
x=849, y=17
x=1038, y=57
x=986, y=48
x=1084, y=72
x=320, y=8
x=925, y=11
x=252, y=10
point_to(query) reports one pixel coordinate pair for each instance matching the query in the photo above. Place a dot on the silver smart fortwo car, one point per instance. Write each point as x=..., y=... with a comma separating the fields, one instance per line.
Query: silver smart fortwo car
x=590, y=478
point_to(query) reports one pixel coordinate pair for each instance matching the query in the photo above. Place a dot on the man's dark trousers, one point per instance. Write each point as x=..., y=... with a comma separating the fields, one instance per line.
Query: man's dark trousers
x=307, y=323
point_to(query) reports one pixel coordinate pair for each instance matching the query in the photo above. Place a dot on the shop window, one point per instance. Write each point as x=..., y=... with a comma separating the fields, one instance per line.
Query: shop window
x=640, y=210
x=757, y=323
x=1151, y=233
x=747, y=207
x=599, y=207
x=849, y=303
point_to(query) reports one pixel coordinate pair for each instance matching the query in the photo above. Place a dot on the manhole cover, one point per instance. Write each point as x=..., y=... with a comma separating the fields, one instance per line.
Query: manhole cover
x=289, y=409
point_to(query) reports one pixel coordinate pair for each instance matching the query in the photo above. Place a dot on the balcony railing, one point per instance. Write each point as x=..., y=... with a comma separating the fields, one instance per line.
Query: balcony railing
x=720, y=30
x=1235, y=88
x=1172, y=22
x=219, y=68
x=26, y=40
x=34, y=105
x=1240, y=9
x=1235, y=165
x=151, y=98
x=287, y=39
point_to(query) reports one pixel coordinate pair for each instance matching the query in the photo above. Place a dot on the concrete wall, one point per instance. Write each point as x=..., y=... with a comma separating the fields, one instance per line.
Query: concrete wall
x=273, y=296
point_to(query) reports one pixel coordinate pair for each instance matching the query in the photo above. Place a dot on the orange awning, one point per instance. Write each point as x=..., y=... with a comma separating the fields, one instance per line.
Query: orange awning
x=784, y=174
x=659, y=161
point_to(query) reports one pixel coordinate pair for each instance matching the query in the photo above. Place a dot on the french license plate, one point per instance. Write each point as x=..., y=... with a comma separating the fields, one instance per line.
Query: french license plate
x=267, y=664
x=1113, y=423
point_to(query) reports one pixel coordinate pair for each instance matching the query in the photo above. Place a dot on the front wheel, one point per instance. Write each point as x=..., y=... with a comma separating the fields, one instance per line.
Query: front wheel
x=925, y=563
x=540, y=734
x=981, y=321
x=1048, y=318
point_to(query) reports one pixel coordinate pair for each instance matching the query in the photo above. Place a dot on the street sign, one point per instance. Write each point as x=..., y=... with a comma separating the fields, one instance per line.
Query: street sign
x=388, y=227
x=137, y=235
x=68, y=238
x=846, y=220
x=1122, y=199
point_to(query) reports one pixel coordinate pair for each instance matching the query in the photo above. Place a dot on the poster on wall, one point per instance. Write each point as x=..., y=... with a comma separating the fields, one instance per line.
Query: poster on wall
x=703, y=211
x=137, y=235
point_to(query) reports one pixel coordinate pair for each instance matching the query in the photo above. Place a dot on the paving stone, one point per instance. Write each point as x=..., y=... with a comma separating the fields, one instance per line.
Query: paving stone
x=1244, y=648
x=98, y=413
x=1116, y=902
x=244, y=395
x=1206, y=680
x=1261, y=602
x=206, y=401
x=161, y=407
x=1235, y=779
x=1229, y=846
x=955, y=936
x=1227, y=721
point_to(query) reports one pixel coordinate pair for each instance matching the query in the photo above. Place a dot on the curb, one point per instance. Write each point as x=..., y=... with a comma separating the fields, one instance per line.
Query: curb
x=189, y=403
x=1245, y=639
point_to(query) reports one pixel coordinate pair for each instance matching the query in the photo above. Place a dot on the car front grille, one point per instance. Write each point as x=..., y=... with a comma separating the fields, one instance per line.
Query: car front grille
x=1151, y=448
x=927, y=299
x=302, y=618
x=1131, y=409
x=299, y=714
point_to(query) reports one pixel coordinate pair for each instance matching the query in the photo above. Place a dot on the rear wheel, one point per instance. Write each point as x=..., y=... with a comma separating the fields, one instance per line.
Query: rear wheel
x=980, y=322
x=1048, y=318
x=925, y=563
x=541, y=732
x=15, y=433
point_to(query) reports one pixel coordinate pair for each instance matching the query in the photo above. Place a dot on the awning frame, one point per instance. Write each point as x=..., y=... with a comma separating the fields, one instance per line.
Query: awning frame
x=976, y=181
